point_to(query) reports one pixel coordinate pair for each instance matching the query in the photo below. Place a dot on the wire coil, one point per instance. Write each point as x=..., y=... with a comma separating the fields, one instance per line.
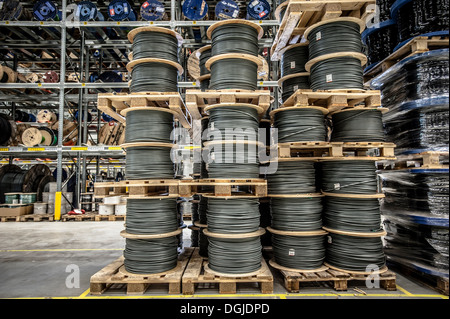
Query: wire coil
x=234, y=38
x=144, y=125
x=234, y=73
x=154, y=77
x=291, y=85
x=148, y=44
x=149, y=162
x=296, y=213
x=364, y=125
x=293, y=177
x=293, y=59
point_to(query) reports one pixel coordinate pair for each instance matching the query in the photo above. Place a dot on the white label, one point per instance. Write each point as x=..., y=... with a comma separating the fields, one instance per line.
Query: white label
x=291, y=252
x=337, y=186
x=318, y=36
x=235, y=13
x=212, y=156
x=159, y=9
x=330, y=240
x=329, y=78
x=1, y=5
x=212, y=125
x=125, y=9
x=293, y=65
x=295, y=88
x=254, y=3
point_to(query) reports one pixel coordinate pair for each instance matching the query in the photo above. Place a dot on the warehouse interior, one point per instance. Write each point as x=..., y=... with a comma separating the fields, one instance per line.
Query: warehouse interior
x=118, y=118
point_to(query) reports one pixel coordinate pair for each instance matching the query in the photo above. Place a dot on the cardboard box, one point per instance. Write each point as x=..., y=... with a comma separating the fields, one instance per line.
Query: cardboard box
x=15, y=210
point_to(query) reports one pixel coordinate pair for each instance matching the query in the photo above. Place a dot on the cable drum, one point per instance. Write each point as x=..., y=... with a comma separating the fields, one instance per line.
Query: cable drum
x=150, y=256
x=44, y=10
x=358, y=125
x=293, y=59
x=203, y=243
x=205, y=54
x=354, y=253
x=5, y=129
x=343, y=72
x=149, y=162
x=148, y=125
x=349, y=177
x=258, y=9
x=233, y=215
x=296, y=213
x=119, y=10
x=151, y=215
x=299, y=252
x=234, y=255
x=152, y=10
x=154, y=77
x=195, y=9
x=332, y=37
x=233, y=73
x=380, y=41
x=292, y=177
x=202, y=210
x=352, y=214
x=300, y=124
x=155, y=44
x=291, y=84
x=227, y=9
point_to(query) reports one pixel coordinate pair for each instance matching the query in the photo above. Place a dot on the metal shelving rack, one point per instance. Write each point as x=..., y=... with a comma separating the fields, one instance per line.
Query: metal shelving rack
x=66, y=53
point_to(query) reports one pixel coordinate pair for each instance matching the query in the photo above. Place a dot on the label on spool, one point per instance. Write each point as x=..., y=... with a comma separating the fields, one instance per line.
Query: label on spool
x=329, y=239
x=295, y=88
x=112, y=12
x=329, y=78
x=337, y=186
x=318, y=36
x=293, y=65
x=291, y=252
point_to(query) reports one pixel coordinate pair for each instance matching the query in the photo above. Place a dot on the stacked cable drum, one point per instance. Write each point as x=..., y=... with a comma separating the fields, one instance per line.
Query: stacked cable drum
x=234, y=58
x=152, y=225
x=335, y=54
x=298, y=239
x=203, y=54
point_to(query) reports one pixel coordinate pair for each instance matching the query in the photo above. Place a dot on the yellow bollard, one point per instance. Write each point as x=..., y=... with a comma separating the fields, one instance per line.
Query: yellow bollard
x=58, y=206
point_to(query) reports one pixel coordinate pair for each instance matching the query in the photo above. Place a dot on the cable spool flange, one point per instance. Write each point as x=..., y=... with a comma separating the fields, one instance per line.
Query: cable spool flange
x=280, y=10
x=259, y=232
x=258, y=108
x=216, y=25
x=293, y=82
x=133, y=63
x=152, y=10
x=319, y=232
x=132, y=34
x=226, y=9
x=124, y=234
x=195, y=9
x=8, y=76
x=258, y=9
x=44, y=10
x=360, y=56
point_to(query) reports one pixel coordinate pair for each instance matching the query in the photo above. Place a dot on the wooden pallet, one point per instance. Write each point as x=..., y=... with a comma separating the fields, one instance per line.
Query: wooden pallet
x=113, y=103
x=196, y=275
x=326, y=150
x=424, y=160
x=415, y=46
x=136, y=187
x=340, y=280
x=223, y=187
x=197, y=100
x=301, y=14
x=99, y=218
x=26, y=218
x=335, y=100
x=113, y=275
x=82, y=217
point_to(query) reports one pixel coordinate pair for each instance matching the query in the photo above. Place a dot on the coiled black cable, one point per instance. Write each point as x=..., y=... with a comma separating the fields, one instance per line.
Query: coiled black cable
x=150, y=256
x=293, y=60
x=234, y=119
x=339, y=36
x=337, y=73
x=204, y=128
x=233, y=215
x=349, y=177
x=292, y=177
x=204, y=85
x=296, y=213
x=5, y=129
x=151, y=215
x=300, y=124
x=154, y=77
x=234, y=38
x=195, y=231
x=234, y=73
x=148, y=126
x=352, y=214
x=234, y=255
x=203, y=243
x=204, y=56
x=354, y=253
x=202, y=210
x=149, y=162
x=291, y=85
x=151, y=44
x=299, y=252
x=363, y=125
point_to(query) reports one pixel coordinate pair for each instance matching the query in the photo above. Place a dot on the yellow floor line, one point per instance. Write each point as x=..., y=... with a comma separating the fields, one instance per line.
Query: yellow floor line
x=59, y=250
x=84, y=294
x=404, y=291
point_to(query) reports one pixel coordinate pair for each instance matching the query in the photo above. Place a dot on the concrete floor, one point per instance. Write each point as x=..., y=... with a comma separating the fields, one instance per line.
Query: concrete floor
x=38, y=259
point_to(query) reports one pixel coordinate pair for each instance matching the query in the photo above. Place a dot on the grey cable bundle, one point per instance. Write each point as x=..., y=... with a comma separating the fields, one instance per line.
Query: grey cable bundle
x=364, y=125
x=336, y=74
x=233, y=215
x=151, y=215
x=234, y=73
x=296, y=214
x=241, y=165
x=148, y=162
x=149, y=126
x=234, y=256
x=234, y=38
x=299, y=252
x=159, y=45
x=349, y=177
x=154, y=77
x=150, y=256
x=293, y=177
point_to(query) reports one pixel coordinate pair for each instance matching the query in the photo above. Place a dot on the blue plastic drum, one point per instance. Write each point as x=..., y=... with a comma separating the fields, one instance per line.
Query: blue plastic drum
x=195, y=9
x=86, y=11
x=258, y=9
x=119, y=10
x=152, y=10
x=227, y=9
x=44, y=10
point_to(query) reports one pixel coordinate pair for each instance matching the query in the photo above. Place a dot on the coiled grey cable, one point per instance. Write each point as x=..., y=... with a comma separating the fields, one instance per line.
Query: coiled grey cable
x=234, y=73
x=364, y=125
x=291, y=85
x=300, y=124
x=234, y=38
x=354, y=253
x=147, y=44
x=234, y=255
x=238, y=165
x=349, y=177
x=339, y=36
x=233, y=215
x=154, y=77
x=148, y=126
x=150, y=256
x=233, y=118
x=352, y=214
x=337, y=73
x=299, y=252
x=292, y=177
x=151, y=215
x=293, y=60
x=204, y=56
x=149, y=162
x=296, y=213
